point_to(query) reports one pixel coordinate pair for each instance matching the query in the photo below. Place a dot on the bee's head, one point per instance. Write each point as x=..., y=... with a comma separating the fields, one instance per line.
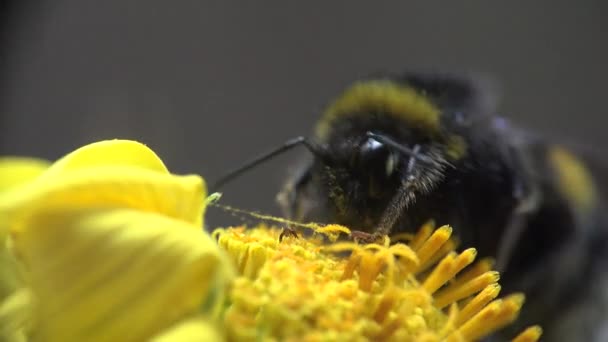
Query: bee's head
x=383, y=137
x=380, y=145
x=360, y=175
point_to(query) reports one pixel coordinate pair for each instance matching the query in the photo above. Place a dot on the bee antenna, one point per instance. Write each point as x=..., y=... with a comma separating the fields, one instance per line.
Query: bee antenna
x=412, y=153
x=315, y=149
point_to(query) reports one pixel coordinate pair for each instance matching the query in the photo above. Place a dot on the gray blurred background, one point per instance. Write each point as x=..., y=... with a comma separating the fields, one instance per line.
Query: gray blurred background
x=210, y=84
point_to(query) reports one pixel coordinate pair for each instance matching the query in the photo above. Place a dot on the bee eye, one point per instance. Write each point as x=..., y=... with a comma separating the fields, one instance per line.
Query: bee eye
x=375, y=157
x=371, y=152
x=376, y=164
x=371, y=146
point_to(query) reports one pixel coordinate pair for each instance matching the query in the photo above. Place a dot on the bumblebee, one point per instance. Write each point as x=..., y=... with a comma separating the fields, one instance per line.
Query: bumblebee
x=393, y=151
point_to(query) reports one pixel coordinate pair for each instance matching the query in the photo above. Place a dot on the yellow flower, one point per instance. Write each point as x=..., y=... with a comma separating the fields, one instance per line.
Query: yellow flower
x=107, y=244
x=303, y=289
x=113, y=249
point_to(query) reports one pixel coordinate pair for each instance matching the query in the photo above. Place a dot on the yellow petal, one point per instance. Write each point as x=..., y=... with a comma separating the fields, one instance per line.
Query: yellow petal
x=114, y=172
x=180, y=197
x=117, y=173
x=15, y=171
x=116, y=274
x=109, y=152
x=10, y=274
x=113, y=245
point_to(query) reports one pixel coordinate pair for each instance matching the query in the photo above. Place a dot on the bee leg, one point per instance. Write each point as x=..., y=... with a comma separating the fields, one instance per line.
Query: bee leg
x=288, y=197
x=406, y=193
x=397, y=206
x=360, y=236
x=528, y=202
x=288, y=232
x=513, y=232
x=289, y=203
x=527, y=196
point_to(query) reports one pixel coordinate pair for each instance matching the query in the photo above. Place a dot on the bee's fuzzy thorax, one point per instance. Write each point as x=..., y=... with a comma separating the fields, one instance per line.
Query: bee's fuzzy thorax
x=401, y=102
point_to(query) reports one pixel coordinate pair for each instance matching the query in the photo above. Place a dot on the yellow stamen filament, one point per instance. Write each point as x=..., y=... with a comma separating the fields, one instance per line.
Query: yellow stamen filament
x=407, y=257
x=386, y=303
x=439, y=275
x=433, y=243
x=454, y=293
x=480, y=267
x=494, y=316
x=448, y=247
x=477, y=303
x=369, y=268
x=531, y=334
x=389, y=329
x=448, y=268
x=423, y=234
x=351, y=265
x=450, y=324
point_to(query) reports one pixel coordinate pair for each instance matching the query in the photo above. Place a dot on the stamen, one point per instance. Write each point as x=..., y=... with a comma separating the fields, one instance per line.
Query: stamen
x=477, y=303
x=480, y=267
x=439, y=276
x=494, y=316
x=448, y=268
x=433, y=243
x=448, y=247
x=531, y=334
x=391, y=295
x=450, y=324
x=455, y=293
x=422, y=235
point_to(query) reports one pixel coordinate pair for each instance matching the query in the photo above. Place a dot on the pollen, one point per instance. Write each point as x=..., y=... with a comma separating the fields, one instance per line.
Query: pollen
x=315, y=288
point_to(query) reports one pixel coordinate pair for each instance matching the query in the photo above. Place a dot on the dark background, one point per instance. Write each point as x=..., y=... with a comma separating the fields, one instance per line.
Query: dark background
x=210, y=84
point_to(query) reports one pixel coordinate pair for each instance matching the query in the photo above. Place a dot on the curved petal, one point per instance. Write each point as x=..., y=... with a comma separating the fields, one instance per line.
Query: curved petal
x=15, y=171
x=116, y=274
x=109, y=152
x=113, y=245
x=180, y=197
x=113, y=173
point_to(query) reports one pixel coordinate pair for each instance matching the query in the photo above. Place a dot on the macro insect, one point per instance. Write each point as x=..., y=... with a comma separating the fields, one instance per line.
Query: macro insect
x=393, y=151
